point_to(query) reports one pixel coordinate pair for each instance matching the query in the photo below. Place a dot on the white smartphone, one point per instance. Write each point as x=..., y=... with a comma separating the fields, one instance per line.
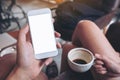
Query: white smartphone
x=42, y=33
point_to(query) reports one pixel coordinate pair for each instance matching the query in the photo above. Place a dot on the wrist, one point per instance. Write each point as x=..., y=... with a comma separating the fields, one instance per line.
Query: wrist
x=19, y=74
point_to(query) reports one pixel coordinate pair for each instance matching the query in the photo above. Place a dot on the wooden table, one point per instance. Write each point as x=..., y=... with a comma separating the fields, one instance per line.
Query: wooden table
x=14, y=34
x=71, y=75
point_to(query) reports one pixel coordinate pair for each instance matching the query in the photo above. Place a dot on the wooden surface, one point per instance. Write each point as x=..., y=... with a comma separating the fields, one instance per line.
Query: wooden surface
x=71, y=75
x=14, y=34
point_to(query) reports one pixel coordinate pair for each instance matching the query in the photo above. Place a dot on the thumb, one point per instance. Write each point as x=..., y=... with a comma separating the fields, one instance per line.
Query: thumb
x=22, y=34
x=98, y=56
x=48, y=61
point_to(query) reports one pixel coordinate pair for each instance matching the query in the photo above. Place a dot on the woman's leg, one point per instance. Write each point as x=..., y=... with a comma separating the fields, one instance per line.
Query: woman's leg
x=90, y=36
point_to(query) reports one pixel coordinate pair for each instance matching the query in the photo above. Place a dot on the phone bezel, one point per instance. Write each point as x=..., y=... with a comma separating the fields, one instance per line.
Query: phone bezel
x=38, y=12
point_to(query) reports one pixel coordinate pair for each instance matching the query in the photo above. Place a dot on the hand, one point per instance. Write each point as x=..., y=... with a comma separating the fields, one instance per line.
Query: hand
x=26, y=62
x=107, y=66
x=25, y=56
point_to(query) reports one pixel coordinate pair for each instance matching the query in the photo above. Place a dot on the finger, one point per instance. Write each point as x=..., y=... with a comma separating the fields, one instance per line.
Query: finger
x=58, y=45
x=48, y=61
x=99, y=62
x=57, y=34
x=22, y=34
x=97, y=56
x=98, y=66
x=101, y=71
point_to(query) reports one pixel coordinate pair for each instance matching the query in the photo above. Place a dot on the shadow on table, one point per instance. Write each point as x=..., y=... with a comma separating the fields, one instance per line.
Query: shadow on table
x=71, y=75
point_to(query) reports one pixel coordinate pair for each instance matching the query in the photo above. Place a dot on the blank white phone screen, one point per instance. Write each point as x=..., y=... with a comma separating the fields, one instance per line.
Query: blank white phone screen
x=42, y=33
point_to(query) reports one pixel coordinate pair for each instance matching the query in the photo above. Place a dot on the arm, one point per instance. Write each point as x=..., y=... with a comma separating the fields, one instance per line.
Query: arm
x=25, y=59
x=27, y=67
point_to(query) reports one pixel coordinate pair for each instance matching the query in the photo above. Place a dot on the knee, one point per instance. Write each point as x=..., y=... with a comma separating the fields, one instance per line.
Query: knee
x=85, y=23
x=67, y=46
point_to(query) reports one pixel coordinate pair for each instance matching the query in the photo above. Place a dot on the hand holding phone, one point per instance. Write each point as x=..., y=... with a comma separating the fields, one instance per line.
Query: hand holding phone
x=42, y=33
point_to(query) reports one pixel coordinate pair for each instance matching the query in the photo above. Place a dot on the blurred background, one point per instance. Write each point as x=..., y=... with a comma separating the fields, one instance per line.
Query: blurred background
x=13, y=12
x=66, y=13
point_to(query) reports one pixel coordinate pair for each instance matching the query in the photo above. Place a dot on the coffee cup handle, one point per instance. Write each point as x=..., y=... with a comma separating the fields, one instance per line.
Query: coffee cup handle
x=94, y=58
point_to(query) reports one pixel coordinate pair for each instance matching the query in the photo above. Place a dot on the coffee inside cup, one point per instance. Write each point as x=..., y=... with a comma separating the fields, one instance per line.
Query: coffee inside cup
x=80, y=61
